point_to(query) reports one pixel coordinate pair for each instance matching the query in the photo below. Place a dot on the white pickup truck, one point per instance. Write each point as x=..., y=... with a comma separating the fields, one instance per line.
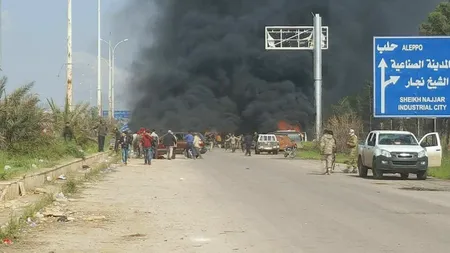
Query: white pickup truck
x=392, y=152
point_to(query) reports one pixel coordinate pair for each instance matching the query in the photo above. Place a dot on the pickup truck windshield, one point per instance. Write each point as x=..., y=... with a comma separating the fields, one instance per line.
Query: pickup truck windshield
x=397, y=139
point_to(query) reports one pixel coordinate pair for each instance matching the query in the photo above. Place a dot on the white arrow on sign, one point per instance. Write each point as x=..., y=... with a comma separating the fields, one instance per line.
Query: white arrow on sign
x=385, y=83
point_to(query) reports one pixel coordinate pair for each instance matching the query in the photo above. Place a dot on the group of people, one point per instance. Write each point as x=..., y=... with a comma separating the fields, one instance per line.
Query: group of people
x=328, y=149
x=143, y=142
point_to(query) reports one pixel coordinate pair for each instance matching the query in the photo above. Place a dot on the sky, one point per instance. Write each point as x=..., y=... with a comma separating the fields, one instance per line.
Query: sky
x=34, y=48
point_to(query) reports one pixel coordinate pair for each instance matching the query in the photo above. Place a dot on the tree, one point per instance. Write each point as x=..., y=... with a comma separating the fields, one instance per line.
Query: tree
x=438, y=24
x=438, y=21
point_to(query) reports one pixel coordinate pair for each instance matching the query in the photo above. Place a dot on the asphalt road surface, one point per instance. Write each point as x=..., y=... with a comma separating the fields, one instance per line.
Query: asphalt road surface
x=231, y=203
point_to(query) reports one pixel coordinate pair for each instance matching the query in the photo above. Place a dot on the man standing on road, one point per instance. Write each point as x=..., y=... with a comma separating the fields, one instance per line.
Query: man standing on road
x=169, y=141
x=155, y=140
x=146, y=141
x=197, y=147
x=189, y=139
x=352, y=143
x=327, y=149
x=125, y=142
x=102, y=130
x=248, y=141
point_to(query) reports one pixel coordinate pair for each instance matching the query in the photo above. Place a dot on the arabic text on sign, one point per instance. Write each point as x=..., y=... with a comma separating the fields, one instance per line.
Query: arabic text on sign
x=429, y=63
x=389, y=47
x=430, y=83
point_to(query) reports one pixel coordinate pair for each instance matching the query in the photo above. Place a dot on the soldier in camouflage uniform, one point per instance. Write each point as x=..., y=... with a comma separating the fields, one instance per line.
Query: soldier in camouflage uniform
x=327, y=149
x=352, y=144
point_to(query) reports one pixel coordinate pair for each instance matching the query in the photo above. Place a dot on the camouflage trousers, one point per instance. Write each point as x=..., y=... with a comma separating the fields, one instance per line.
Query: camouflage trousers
x=328, y=162
x=351, y=163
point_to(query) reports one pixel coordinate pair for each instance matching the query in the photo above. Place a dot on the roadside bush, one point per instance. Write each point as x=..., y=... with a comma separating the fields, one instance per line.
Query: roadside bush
x=31, y=137
x=20, y=119
x=340, y=125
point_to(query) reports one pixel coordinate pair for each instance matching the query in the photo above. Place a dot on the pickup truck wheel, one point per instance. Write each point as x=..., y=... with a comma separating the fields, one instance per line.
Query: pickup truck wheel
x=422, y=175
x=377, y=174
x=361, y=168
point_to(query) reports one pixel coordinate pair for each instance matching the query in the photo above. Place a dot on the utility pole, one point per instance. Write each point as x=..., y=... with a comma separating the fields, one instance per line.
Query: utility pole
x=69, y=94
x=99, y=60
x=1, y=28
x=318, y=72
x=113, y=70
x=110, y=69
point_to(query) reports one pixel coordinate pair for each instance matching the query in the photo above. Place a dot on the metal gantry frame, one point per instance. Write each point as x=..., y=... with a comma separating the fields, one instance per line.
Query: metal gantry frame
x=303, y=38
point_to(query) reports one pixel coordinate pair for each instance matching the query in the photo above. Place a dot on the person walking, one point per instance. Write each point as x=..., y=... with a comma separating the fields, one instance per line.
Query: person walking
x=197, y=146
x=189, y=138
x=125, y=143
x=327, y=149
x=248, y=141
x=169, y=141
x=102, y=130
x=146, y=142
x=352, y=143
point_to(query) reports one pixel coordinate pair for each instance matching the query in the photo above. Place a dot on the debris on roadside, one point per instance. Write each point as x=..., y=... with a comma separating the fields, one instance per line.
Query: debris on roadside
x=30, y=222
x=7, y=167
x=62, y=177
x=40, y=191
x=7, y=241
x=94, y=218
x=60, y=197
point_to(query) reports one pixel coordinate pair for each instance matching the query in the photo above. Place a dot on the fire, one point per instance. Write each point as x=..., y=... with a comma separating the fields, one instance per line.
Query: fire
x=283, y=125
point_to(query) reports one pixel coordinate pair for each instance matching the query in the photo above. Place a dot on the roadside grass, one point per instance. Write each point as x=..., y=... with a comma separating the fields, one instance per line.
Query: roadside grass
x=14, y=164
x=442, y=172
x=310, y=151
x=12, y=229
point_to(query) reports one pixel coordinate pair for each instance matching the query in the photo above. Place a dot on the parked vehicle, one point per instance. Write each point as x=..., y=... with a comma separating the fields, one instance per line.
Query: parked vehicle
x=392, y=152
x=267, y=143
x=181, y=144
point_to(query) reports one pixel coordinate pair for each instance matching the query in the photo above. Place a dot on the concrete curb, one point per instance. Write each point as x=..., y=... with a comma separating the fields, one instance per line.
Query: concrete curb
x=15, y=188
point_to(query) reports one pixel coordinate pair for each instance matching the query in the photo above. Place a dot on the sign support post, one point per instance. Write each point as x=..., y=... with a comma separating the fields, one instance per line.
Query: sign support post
x=318, y=73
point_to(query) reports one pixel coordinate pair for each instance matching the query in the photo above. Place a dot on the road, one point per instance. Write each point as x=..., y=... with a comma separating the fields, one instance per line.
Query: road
x=231, y=203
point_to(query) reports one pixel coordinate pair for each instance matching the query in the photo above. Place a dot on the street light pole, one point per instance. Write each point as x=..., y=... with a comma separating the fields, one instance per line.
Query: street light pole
x=69, y=88
x=99, y=60
x=113, y=64
x=110, y=108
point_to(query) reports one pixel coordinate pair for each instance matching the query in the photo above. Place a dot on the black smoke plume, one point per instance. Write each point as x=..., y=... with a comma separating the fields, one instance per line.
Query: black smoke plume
x=203, y=64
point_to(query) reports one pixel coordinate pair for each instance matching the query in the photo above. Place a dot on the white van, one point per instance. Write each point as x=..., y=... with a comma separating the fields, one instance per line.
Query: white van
x=267, y=143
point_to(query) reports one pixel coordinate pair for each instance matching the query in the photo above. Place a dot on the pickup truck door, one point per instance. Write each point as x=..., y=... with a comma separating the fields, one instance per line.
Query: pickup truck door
x=432, y=143
x=368, y=151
